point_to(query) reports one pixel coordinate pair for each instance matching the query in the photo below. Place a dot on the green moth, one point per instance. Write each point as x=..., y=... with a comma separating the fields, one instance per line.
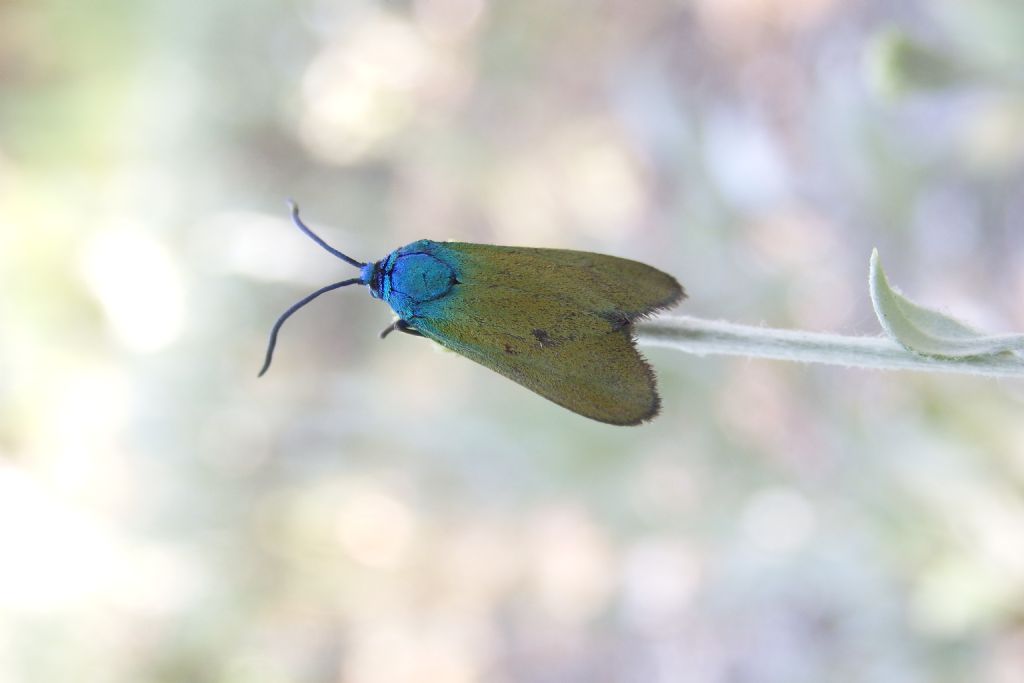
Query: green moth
x=557, y=321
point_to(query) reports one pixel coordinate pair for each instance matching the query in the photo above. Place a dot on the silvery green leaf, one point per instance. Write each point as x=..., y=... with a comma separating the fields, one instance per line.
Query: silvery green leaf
x=928, y=332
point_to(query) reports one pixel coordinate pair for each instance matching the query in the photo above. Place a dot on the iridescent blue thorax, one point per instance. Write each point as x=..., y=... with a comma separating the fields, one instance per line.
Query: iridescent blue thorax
x=409, y=276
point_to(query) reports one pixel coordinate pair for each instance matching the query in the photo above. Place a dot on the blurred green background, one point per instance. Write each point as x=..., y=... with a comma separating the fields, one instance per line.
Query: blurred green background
x=379, y=512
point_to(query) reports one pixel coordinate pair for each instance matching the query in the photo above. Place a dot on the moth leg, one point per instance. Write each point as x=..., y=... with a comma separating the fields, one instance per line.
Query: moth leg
x=400, y=326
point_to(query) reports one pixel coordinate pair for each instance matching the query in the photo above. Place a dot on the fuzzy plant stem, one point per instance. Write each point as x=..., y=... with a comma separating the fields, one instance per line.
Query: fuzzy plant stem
x=708, y=337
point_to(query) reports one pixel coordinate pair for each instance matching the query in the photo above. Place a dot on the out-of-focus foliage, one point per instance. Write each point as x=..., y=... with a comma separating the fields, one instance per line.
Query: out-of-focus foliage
x=379, y=512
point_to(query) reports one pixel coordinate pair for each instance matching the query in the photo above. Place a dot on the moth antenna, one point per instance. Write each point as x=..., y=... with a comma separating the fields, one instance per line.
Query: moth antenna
x=294, y=307
x=316, y=238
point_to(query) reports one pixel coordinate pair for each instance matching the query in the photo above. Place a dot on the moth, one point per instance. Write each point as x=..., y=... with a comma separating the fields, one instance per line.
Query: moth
x=557, y=321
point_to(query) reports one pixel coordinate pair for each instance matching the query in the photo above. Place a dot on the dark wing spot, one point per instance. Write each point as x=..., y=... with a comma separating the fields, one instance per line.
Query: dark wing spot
x=618, y=319
x=543, y=338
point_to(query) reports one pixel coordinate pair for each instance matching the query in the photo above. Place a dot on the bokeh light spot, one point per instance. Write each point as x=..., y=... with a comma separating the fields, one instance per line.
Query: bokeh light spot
x=139, y=286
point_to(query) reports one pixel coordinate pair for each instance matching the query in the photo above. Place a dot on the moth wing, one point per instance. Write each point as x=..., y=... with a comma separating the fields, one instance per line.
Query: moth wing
x=583, y=360
x=595, y=282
